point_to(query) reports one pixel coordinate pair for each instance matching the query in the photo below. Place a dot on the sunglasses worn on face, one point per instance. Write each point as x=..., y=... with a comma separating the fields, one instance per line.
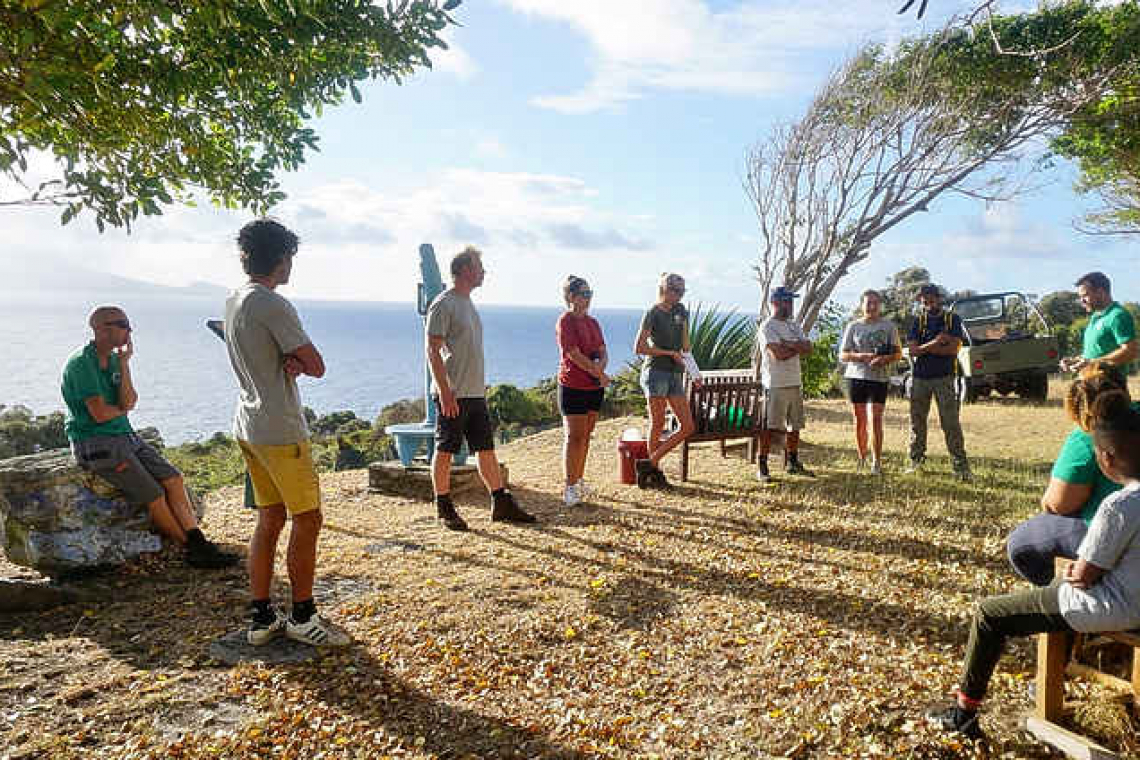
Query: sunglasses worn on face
x=585, y=293
x=678, y=291
x=122, y=324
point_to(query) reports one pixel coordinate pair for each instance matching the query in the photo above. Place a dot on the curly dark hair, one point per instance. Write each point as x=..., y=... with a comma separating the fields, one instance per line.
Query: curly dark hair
x=1117, y=430
x=1096, y=378
x=264, y=244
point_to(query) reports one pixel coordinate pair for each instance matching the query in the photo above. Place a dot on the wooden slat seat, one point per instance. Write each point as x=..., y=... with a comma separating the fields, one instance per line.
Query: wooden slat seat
x=1053, y=665
x=728, y=405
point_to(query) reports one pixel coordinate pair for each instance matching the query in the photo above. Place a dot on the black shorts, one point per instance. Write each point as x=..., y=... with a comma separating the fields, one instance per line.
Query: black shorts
x=127, y=462
x=473, y=423
x=866, y=391
x=578, y=401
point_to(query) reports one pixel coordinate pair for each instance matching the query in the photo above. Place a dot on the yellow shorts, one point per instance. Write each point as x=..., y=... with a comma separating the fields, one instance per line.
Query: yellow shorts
x=283, y=475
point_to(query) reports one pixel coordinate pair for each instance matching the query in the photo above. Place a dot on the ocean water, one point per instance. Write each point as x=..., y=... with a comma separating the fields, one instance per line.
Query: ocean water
x=373, y=351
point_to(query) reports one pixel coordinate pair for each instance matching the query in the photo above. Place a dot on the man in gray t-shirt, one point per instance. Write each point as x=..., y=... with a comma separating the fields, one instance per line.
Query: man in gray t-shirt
x=268, y=348
x=261, y=328
x=454, y=346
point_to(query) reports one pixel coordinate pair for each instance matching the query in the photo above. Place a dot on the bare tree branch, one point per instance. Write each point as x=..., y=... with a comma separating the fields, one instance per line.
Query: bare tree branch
x=880, y=143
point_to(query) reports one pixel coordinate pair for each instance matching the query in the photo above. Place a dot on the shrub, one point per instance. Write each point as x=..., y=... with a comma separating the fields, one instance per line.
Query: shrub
x=508, y=405
x=22, y=432
x=404, y=410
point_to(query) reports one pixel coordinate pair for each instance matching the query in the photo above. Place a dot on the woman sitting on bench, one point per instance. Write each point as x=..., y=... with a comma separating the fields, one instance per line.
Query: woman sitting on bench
x=1099, y=592
x=1076, y=485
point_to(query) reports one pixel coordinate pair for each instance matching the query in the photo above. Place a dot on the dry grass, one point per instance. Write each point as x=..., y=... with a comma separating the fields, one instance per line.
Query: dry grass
x=813, y=619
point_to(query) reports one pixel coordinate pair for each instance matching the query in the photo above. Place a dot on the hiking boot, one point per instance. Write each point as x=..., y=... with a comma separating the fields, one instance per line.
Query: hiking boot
x=657, y=479
x=762, y=473
x=206, y=555
x=956, y=719
x=447, y=515
x=644, y=469
x=796, y=467
x=572, y=496
x=261, y=633
x=317, y=632
x=506, y=509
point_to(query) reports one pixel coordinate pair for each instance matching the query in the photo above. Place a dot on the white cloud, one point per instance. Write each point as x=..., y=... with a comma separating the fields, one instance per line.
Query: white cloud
x=751, y=48
x=454, y=60
x=360, y=242
x=491, y=148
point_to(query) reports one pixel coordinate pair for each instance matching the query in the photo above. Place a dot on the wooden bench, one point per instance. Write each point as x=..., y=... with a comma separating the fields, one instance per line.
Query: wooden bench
x=727, y=406
x=1053, y=664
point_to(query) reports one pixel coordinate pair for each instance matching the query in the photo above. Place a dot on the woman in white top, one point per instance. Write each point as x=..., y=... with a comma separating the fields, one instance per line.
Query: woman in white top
x=869, y=346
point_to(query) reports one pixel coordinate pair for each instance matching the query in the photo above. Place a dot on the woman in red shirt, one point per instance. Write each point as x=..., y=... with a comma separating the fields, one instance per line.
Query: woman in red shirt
x=581, y=378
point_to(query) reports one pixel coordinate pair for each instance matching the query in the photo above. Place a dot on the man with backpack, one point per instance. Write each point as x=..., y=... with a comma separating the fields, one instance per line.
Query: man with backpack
x=933, y=342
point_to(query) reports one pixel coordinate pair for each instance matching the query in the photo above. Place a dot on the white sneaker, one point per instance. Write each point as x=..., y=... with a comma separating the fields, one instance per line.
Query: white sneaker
x=259, y=634
x=572, y=497
x=583, y=491
x=318, y=632
x=876, y=467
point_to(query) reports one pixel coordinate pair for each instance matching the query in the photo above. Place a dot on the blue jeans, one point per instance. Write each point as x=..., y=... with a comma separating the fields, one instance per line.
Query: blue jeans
x=1034, y=544
x=662, y=383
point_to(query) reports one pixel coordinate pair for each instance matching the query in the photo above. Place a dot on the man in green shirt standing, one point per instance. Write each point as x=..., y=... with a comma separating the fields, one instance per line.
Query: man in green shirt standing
x=99, y=392
x=1111, y=332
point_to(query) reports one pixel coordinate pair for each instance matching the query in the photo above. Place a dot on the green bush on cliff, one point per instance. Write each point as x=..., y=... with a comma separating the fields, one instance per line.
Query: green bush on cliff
x=23, y=432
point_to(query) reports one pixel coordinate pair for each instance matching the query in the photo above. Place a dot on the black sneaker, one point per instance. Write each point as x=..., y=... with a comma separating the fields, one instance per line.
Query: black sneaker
x=506, y=509
x=796, y=467
x=207, y=556
x=644, y=469
x=656, y=479
x=955, y=719
x=449, y=517
x=762, y=473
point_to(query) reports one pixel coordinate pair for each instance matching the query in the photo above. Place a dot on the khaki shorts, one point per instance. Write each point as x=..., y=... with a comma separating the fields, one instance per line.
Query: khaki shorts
x=283, y=475
x=784, y=408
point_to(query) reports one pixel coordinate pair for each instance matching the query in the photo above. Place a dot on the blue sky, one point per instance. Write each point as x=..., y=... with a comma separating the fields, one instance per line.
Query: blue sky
x=604, y=139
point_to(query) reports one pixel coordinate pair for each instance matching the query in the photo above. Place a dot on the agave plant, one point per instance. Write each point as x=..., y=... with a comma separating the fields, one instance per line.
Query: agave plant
x=721, y=339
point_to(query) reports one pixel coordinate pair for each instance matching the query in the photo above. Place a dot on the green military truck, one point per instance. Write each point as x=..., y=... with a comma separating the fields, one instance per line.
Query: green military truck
x=1008, y=348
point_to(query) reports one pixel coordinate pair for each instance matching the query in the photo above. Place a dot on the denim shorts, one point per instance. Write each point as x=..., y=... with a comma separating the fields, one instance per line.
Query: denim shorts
x=662, y=383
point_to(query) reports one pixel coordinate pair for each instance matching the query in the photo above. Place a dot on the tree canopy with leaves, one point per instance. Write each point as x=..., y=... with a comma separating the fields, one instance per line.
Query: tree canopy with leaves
x=893, y=131
x=144, y=102
x=1045, y=49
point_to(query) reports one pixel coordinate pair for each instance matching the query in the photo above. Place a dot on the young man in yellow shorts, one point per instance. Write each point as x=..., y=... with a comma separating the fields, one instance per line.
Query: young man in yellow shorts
x=268, y=348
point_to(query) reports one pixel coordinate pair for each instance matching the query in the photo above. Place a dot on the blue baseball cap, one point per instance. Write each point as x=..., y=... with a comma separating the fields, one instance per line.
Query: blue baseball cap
x=782, y=294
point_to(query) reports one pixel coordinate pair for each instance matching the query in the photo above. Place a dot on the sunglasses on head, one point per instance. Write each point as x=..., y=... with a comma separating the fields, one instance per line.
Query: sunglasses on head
x=120, y=323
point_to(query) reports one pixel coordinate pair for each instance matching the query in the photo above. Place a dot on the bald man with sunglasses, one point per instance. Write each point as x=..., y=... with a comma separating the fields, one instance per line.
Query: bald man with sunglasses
x=99, y=392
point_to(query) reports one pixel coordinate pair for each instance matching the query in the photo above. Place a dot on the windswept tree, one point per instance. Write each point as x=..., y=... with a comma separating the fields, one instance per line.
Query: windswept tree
x=139, y=103
x=893, y=131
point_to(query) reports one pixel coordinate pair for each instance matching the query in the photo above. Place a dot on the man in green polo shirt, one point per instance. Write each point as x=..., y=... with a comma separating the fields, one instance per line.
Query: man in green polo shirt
x=99, y=393
x=1111, y=332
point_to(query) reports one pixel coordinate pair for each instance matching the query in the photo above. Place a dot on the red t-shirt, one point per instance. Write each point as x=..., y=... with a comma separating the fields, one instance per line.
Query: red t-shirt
x=586, y=334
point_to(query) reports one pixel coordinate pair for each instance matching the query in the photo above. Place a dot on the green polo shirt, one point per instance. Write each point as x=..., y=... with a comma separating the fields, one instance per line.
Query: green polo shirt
x=1108, y=329
x=84, y=378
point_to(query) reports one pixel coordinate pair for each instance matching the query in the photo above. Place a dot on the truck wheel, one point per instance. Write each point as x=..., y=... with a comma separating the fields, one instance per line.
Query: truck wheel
x=1037, y=387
